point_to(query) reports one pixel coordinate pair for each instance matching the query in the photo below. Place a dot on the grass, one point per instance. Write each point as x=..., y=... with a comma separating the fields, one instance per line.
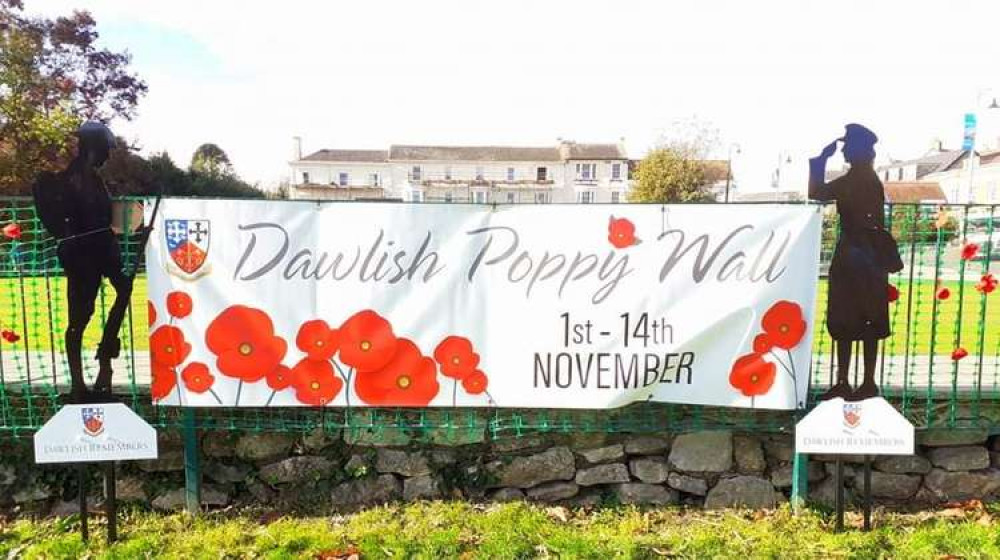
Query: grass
x=45, y=296
x=516, y=530
x=921, y=313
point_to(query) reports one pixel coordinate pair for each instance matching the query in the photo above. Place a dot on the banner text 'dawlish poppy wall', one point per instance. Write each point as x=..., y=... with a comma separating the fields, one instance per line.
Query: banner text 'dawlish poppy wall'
x=370, y=304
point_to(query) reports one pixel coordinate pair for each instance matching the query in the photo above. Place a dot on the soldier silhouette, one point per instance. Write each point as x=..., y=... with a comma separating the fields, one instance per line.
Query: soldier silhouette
x=75, y=208
x=858, y=298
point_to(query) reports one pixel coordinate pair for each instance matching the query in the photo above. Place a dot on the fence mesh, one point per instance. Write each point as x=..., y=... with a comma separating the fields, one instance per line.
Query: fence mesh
x=944, y=308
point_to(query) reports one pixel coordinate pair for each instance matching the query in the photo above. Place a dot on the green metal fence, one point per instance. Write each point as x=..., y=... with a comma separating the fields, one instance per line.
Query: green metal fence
x=944, y=306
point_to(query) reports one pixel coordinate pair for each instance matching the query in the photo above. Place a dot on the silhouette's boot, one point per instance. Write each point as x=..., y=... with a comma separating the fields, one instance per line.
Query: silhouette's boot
x=108, y=349
x=867, y=390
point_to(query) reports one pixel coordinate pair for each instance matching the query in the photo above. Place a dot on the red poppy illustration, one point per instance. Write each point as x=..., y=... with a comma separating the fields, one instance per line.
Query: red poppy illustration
x=317, y=340
x=408, y=379
x=943, y=293
x=280, y=378
x=987, y=284
x=167, y=346
x=315, y=383
x=475, y=383
x=762, y=343
x=893, y=293
x=784, y=324
x=243, y=339
x=959, y=353
x=621, y=233
x=752, y=375
x=456, y=357
x=10, y=336
x=151, y=312
x=12, y=231
x=367, y=341
x=163, y=382
x=969, y=251
x=197, y=378
x=179, y=305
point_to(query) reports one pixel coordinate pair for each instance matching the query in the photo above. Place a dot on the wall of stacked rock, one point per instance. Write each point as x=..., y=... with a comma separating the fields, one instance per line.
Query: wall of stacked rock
x=713, y=469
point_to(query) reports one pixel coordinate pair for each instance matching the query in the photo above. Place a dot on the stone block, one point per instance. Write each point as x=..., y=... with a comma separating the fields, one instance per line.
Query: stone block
x=612, y=473
x=710, y=452
x=965, y=458
x=554, y=491
x=524, y=472
x=606, y=454
x=401, y=462
x=743, y=492
x=651, y=470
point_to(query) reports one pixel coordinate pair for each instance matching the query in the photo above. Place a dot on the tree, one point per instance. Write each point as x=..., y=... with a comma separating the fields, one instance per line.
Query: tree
x=211, y=159
x=669, y=175
x=677, y=169
x=52, y=77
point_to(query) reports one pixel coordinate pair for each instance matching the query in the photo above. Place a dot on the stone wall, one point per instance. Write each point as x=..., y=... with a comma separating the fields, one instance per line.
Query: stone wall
x=714, y=469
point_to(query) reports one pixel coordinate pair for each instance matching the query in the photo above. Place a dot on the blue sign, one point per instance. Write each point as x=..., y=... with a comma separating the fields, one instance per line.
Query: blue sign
x=969, y=136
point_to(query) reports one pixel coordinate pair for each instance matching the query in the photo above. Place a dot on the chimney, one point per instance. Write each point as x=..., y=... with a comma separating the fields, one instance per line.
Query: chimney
x=937, y=145
x=621, y=147
x=296, y=148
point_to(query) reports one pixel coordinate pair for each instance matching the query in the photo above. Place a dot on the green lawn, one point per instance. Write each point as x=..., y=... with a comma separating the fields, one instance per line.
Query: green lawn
x=517, y=530
x=918, y=340
x=47, y=297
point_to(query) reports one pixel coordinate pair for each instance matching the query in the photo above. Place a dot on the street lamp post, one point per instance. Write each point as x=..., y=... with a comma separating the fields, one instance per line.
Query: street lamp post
x=972, y=148
x=783, y=157
x=729, y=167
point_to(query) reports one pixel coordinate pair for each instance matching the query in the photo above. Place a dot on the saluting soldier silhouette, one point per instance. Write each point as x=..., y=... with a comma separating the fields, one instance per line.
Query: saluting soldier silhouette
x=858, y=296
x=75, y=207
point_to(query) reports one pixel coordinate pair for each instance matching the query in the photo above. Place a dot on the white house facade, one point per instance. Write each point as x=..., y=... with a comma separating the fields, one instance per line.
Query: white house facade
x=566, y=172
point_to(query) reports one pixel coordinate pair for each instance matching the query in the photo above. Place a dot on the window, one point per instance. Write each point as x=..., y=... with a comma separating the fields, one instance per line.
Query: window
x=447, y=197
x=417, y=196
x=447, y=173
x=415, y=173
x=541, y=198
x=586, y=171
x=510, y=173
x=542, y=174
x=900, y=174
x=479, y=173
x=510, y=198
x=374, y=180
x=616, y=172
x=616, y=196
x=586, y=197
x=305, y=177
x=479, y=197
x=342, y=180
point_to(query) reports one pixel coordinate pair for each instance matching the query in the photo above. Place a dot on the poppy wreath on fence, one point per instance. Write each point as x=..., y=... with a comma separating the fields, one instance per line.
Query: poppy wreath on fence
x=783, y=327
x=386, y=370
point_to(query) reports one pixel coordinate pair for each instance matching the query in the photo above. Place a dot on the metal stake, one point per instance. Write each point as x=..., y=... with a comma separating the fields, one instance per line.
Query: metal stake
x=111, y=504
x=868, y=493
x=839, y=502
x=81, y=473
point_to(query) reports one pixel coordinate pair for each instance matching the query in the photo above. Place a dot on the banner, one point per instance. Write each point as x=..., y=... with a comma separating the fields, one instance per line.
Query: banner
x=290, y=303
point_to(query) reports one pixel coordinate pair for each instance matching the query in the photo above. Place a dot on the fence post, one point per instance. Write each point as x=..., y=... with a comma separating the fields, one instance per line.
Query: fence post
x=800, y=481
x=192, y=466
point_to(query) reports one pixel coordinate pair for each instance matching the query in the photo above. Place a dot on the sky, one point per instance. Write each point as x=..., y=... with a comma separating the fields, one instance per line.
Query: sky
x=777, y=78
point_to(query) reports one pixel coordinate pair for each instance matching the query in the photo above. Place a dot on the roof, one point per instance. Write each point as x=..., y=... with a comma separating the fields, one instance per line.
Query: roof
x=768, y=196
x=374, y=156
x=472, y=153
x=904, y=191
x=572, y=150
x=930, y=163
x=991, y=158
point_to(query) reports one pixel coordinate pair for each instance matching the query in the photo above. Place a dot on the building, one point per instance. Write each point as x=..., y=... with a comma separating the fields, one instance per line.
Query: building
x=565, y=172
x=949, y=169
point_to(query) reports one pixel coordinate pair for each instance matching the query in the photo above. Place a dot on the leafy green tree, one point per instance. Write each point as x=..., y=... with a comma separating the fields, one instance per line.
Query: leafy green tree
x=670, y=174
x=212, y=160
x=52, y=77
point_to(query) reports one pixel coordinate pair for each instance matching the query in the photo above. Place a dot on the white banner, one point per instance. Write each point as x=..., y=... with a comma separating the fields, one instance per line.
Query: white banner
x=264, y=303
